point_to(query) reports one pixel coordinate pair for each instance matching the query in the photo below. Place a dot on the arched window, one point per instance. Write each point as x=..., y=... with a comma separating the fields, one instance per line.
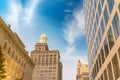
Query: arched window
x=5, y=45
x=13, y=54
x=9, y=50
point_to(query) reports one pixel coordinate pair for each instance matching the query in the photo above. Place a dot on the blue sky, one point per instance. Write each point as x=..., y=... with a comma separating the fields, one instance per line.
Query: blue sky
x=61, y=20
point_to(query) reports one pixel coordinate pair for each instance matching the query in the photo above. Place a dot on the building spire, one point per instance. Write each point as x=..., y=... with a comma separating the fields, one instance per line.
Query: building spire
x=79, y=63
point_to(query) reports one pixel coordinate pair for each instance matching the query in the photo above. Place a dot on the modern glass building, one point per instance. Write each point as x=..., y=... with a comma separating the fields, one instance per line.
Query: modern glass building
x=102, y=22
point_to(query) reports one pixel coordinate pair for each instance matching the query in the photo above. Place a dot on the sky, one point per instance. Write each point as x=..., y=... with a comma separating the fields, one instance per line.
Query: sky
x=61, y=20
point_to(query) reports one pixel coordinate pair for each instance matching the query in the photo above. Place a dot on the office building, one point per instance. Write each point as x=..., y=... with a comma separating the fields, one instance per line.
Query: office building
x=82, y=71
x=47, y=62
x=102, y=22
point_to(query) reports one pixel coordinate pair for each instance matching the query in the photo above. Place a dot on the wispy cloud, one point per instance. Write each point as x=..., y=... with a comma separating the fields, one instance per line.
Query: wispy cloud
x=18, y=15
x=74, y=29
x=67, y=10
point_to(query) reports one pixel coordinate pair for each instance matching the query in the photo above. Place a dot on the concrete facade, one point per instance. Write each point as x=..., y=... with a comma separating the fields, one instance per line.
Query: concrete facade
x=102, y=22
x=82, y=71
x=18, y=63
x=47, y=62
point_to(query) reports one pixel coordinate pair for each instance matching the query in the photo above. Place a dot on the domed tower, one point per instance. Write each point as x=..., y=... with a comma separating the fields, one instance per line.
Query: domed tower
x=43, y=38
x=42, y=45
x=46, y=61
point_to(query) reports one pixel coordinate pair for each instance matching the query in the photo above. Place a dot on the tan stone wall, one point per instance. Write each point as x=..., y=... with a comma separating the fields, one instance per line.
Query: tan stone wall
x=17, y=60
x=47, y=63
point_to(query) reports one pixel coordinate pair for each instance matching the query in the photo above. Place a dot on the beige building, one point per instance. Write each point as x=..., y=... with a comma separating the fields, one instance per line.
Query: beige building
x=82, y=71
x=102, y=21
x=47, y=62
x=18, y=63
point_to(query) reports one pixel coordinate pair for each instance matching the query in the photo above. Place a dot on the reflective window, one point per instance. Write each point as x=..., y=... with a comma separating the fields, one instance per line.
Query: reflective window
x=102, y=55
x=106, y=48
x=95, y=26
x=96, y=19
x=105, y=75
x=99, y=59
x=119, y=52
x=102, y=1
x=106, y=16
x=102, y=77
x=110, y=4
x=110, y=38
x=119, y=7
x=116, y=67
x=95, y=4
x=116, y=25
x=99, y=8
x=99, y=35
x=102, y=26
x=110, y=73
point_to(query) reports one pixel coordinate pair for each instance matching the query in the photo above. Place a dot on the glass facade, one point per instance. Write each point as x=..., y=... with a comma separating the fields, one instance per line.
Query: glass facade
x=102, y=34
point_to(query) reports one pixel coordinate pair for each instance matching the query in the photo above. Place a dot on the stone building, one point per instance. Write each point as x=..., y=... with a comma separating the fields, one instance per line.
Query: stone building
x=17, y=61
x=102, y=22
x=47, y=62
x=82, y=71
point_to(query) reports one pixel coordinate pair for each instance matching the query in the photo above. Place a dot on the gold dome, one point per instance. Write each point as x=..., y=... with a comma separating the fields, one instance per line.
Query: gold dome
x=43, y=38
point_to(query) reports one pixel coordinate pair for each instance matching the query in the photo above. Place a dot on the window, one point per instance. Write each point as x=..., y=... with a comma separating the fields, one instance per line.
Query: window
x=119, y=7
x=119, y=52
x=102, y=1
x=99, y=8
x=106, y=16
x=116, y=25
x=102, y=55
x=13, y=53
x=99, y=35
x=110, y=4
x=95, y=26
x=110, y=38
x=110, y=73
x=99, y=59
x=102, y=26
x=106, y=47
x=105, y=75
x=97, y=19
x=9, y=49
x=102, y=77
x=95, y=4
x=5, y=45
x=116, y=67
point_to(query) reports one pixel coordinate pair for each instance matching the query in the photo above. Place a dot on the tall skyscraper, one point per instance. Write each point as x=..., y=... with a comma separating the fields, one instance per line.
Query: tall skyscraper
x=19, y=65
x=82, y=71
x=102, y=22
x=47, y=62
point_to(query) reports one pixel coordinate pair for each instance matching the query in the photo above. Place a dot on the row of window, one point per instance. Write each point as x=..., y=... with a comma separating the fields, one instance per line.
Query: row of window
x=114, y=28
x=45, y=64
x=44, y=59
x=44, y=78
x=46, y=55
x=105, y=17
x=115, y=65
x=107, y=45
x=13, y=54
x=113, y=69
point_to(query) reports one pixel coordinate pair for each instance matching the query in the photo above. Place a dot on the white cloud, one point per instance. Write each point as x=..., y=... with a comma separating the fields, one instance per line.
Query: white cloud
x=70, y=3
x=74, y=29
x=18, y=15
x=67, y=10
